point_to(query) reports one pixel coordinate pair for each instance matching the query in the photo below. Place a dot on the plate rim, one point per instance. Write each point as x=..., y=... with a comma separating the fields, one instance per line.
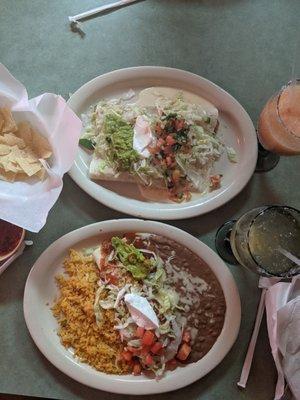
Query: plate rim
x=138, y=208
x=133, y=386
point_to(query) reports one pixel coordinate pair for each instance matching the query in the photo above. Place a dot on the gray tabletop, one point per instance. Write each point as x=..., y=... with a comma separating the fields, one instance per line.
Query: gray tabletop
x=246, y=47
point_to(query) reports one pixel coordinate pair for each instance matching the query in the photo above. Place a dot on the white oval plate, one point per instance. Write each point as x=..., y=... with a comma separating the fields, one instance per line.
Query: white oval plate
x=40, y=292
x=236, y=130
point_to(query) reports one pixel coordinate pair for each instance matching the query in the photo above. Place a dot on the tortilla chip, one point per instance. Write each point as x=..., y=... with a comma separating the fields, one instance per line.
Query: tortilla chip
x=4, y=161
x=11, y=139
x=30, y=156
x=13, y=167
x=24, y=132
x=14, y=152
x=40, y=145
x=26, y=153
x=20, y=151
x=7, y=123
x=7, y=176
x=34, y=140
x=41, y=174
x=9, y=166
x=29, y=168
x=4, y=149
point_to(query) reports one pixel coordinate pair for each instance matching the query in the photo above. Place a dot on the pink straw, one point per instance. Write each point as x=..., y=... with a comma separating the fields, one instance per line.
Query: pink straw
x=249, y=356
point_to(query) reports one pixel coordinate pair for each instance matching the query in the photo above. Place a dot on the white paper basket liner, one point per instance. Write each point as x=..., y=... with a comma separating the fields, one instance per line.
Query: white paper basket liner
x=27, y=203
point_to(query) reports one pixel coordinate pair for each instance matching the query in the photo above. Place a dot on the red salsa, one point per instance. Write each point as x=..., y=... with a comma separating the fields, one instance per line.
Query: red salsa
x=10, y=236
x=172, y=134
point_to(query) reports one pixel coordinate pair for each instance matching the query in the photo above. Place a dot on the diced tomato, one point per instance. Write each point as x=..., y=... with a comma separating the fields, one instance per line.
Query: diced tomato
x=155, y=349
x=126, y=355
x=137, y=368
x=170, y=140
x=134, y=350
x=179, y=124
x=186, y=337
x=154, y=150
x=160, y=142
x=144, y=351
x=184, y=352
x=139, y=332
x=148, y=338
x=172, y=364
x=168, y=150
x=149, y=360
x=113, y=279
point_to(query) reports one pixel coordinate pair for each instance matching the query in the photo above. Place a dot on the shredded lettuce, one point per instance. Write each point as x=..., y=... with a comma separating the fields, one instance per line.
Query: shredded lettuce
x=157, y=279
x=121, y=294
x=168, y=299
x=158, y=369
x=108, y=303
x=88, y=251
x=146, y=171
x=160, y=276
x=231, y=154
x=102, y=165
x=110, y=299
x=190, y=112
x=164, y=328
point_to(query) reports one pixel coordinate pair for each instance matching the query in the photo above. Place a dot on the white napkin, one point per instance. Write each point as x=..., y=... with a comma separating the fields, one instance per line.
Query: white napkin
x=27, y=204
x=283, y=320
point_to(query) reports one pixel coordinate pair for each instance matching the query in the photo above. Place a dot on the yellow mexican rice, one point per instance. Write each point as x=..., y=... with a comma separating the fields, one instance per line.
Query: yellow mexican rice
x=98, y=346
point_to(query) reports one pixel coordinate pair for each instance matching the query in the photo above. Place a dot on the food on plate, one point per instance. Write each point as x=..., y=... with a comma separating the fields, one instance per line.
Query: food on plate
x=165, y=141
x=23, y=150
x=138, y=303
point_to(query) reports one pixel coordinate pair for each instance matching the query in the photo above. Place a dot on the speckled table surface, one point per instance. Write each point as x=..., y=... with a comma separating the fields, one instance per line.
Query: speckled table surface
x=245, y=46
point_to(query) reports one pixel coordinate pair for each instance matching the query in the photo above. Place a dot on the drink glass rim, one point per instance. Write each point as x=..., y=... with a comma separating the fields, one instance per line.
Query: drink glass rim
x=268, y=207
x=289, y=131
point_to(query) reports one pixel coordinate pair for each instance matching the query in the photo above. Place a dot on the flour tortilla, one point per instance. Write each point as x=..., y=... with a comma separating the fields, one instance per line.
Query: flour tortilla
x=107, y=174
